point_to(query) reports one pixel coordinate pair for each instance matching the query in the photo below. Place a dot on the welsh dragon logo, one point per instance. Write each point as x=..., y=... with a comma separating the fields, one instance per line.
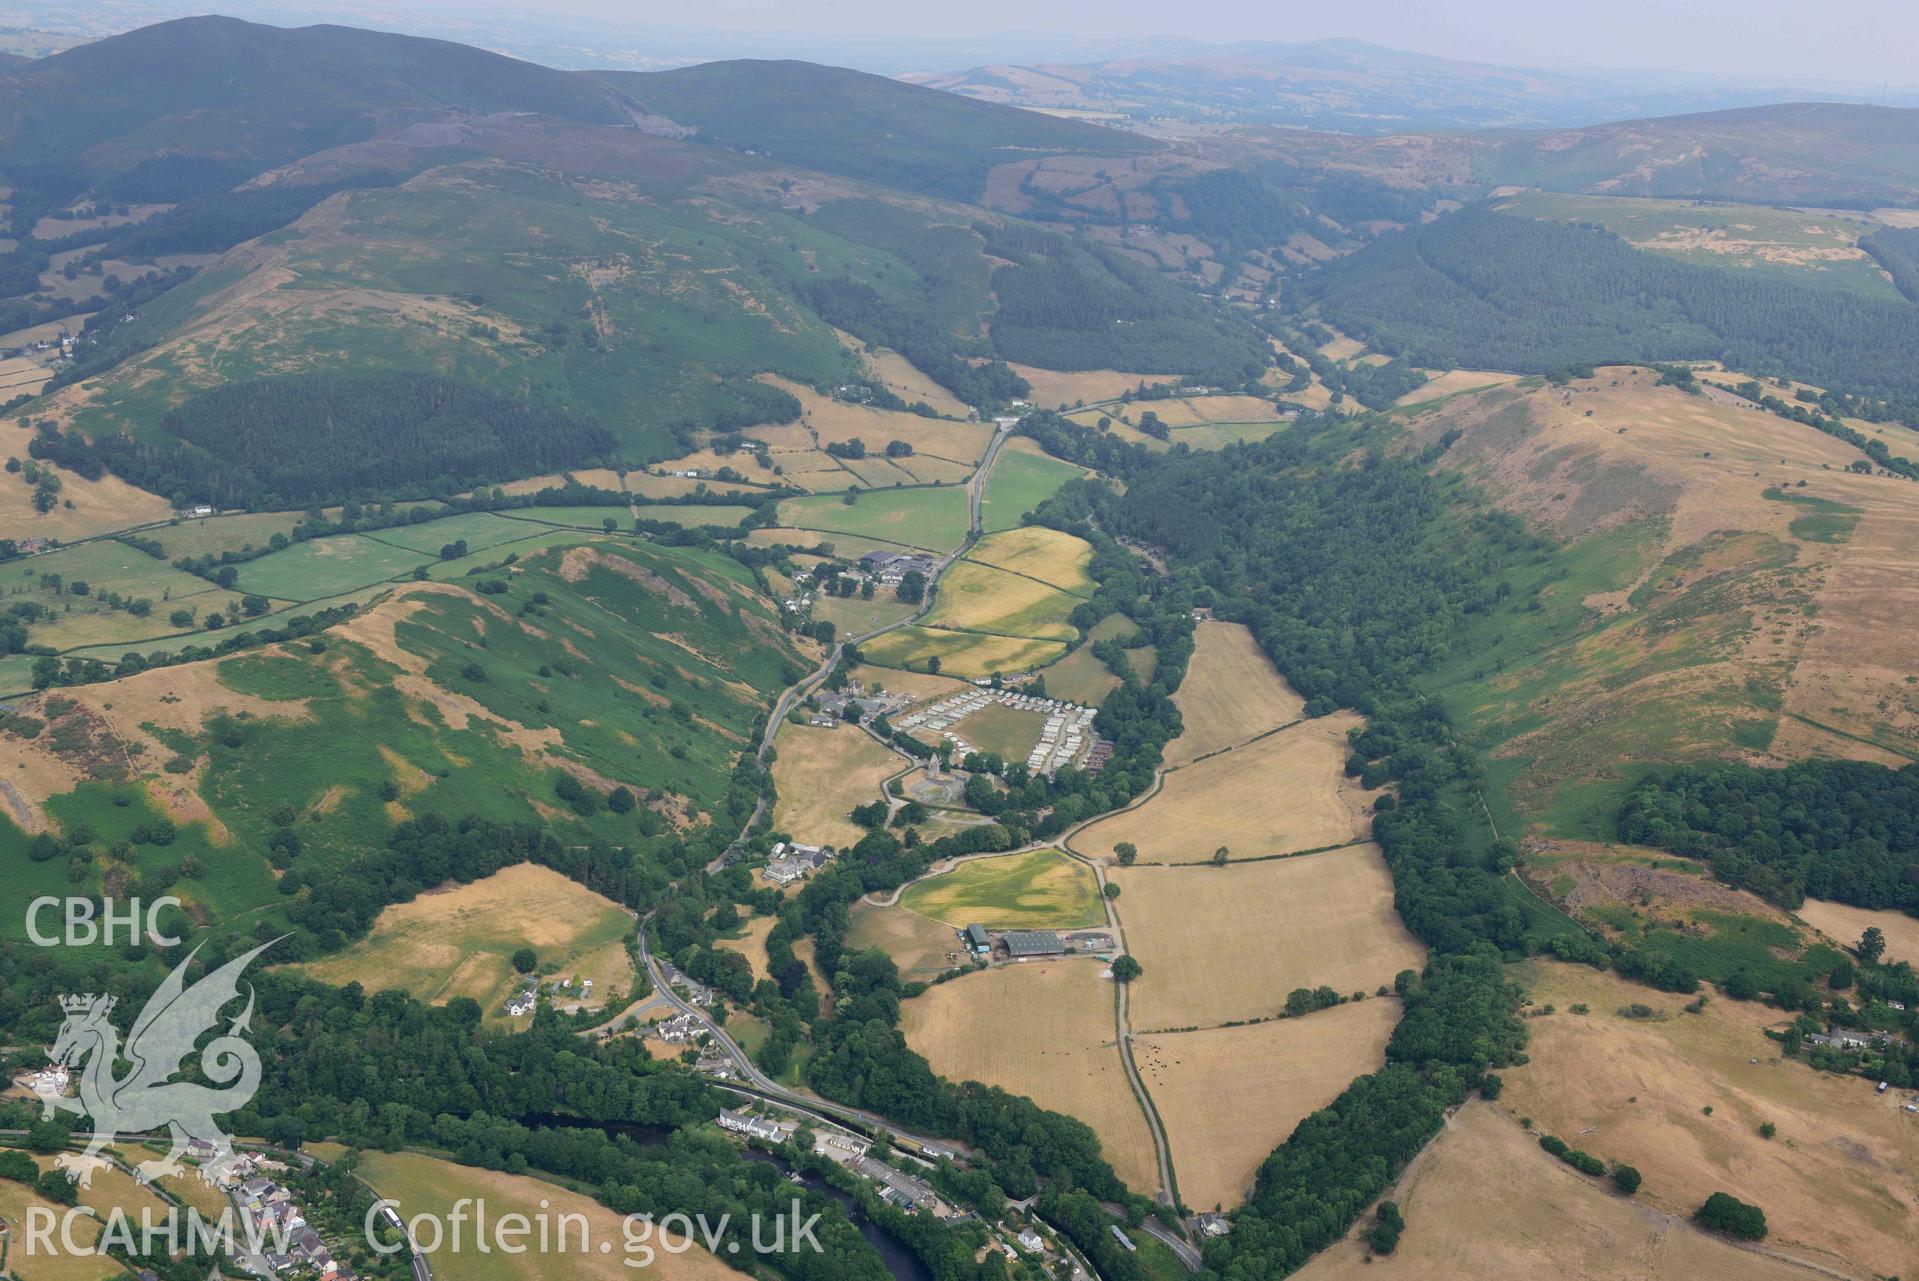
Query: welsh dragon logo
x=147, y=1099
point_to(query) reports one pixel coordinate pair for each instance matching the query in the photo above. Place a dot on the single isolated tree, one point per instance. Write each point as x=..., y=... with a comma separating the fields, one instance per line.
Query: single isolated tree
x=1872, y=945
x=1126, y=969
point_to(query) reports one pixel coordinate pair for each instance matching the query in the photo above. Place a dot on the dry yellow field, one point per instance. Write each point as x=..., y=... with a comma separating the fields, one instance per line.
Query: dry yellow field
x=15, y=1202
x=1843, y=925
x=1454, y=382
x=1044, y=1030
x=1226, y=943
x=981, y=598
x=1119, y=425
x=1231, y=692
x=1038, y=552
x=829, y=421
x=967, y=654
x=460, y=941
x=426, y=1185
x=1198, y=411
x=99, y=506
x=46, y=331
x=1285, y=793
x=1053, y=389
x=1228, y=1096
x=1483, y=1201
x=1837, y=1183
x=751, y=943
x=897, y=373
x=919, y=685
x=114, y=1189
x=922, y=948
x=821, y=775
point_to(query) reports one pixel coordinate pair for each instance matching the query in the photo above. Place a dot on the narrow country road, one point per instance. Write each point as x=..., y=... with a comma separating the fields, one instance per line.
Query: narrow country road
x=766, y=1085
x=791, y=696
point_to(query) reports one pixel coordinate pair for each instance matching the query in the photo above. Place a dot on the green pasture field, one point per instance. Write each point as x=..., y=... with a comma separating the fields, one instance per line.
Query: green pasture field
x=104, y=566
x=480, y=530
x=933, y=518
x=324, y=567
x=1021, y=481
x=1220, y=435
x=1010, y=731
x=211, y=535
x=1040, y=889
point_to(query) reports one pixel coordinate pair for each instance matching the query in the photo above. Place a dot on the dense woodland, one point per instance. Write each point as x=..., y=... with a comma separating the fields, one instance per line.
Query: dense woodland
x=1841, y=830
x=1479, y=289
x=1066, y=304
x=862, y=311
x=285, y=442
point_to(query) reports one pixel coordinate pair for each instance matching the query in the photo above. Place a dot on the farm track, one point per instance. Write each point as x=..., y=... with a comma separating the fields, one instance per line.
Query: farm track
x=790, y=697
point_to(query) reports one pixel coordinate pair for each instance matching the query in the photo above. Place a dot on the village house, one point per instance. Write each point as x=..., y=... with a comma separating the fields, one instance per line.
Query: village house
x=681, y=1027
x=753, y=1127
x=791, y=862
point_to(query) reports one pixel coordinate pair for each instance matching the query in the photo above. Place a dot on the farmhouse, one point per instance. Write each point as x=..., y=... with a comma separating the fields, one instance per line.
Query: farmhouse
x=891, y=567
x=753, y=1127
x=791, y=862
x=1021, y=944
x=680, y=1027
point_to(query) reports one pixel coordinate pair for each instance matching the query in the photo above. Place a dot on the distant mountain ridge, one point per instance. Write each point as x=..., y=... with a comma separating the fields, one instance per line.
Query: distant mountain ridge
x=1348, y=85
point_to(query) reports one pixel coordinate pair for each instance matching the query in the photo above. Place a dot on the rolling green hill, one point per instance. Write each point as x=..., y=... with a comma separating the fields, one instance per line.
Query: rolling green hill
x=144, y=117
x=1836, y=154
x=607, y=662
x=1484, y=290
x=627, y=279
x=861, y=126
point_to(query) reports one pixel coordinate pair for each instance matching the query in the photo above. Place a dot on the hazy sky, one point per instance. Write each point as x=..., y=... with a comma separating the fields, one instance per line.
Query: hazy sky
x=1805, y=42
x=1852, y=40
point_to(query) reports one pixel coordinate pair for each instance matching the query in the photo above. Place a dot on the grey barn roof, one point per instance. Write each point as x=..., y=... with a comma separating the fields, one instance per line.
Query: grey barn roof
x=1033, y=943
